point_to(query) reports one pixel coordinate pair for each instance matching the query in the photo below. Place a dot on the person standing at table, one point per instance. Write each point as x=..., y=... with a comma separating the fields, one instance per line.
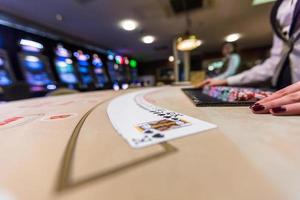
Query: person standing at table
x=232, y=61
x=283, y=66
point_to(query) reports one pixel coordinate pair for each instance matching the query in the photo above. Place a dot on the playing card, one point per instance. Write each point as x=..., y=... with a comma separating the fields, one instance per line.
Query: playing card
x=143, y=124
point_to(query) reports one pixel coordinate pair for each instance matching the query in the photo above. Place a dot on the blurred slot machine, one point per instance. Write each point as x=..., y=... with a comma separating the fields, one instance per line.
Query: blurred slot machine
x=84, y=69
x=128, y=71
x=6, y=75
x=123, y=71
x=65, y=67
x=114, y=72
x=133, y=70
x=35, y=66
x=99, y=71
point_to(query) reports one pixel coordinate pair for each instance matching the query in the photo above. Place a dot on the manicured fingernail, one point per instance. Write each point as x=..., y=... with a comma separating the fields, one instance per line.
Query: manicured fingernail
x=279, y=110
x=258, y=107
x=253, y=105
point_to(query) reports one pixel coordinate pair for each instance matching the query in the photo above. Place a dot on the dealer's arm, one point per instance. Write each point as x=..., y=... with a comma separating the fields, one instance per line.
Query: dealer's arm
x=259, y=73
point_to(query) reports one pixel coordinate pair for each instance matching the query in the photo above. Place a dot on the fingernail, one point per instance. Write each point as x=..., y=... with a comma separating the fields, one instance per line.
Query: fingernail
x=258, y=107
x=253, y=105
x=279, y=110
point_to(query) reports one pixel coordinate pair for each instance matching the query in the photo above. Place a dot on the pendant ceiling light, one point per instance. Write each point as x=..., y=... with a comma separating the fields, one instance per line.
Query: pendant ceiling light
x=188, y=41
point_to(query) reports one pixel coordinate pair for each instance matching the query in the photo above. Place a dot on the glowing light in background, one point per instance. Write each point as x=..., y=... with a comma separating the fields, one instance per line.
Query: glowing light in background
x=126, y=61
x=171, y=58
x=1, y=61
x=129, y=24
x=116, y=87
x=51, y=87
x=233, y=37
x=188, y=43
x=125, y=86
x=211, y=68
x=31, y=43
x=133, y=63
x=148, y=39
x=31, y=59
x=119, y=60
x=62, y=64
x=69, y=61
x=110, y=57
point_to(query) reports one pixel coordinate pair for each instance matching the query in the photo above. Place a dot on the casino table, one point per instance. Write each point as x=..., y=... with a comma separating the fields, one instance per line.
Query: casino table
x=65, y=147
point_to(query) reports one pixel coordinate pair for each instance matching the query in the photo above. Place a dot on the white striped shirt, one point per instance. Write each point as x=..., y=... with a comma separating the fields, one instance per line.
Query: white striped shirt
x=266, y=70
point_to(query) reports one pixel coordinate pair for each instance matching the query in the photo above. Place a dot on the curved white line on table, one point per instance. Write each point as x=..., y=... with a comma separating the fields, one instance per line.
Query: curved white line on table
x=143, y=124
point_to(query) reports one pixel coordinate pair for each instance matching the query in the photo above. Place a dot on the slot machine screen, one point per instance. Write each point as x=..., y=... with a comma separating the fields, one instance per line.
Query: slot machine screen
x=35, y=70
x=64, y=66
x=6, y=78
x=83, y=67
x=35, y=66
x=99, y=71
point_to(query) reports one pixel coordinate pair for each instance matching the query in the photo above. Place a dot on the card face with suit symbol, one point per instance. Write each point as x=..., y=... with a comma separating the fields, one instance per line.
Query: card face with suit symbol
x=143, y=124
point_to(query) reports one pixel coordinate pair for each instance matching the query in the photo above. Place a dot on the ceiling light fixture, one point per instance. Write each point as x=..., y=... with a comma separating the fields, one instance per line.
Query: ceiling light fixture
x=59, y=17
x=188, y=41
x=129, y=24
x=148, y=39
x=233, y=37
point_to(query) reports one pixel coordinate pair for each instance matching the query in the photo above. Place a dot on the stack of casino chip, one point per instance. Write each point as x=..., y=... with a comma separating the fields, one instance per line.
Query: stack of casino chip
x=233, y=94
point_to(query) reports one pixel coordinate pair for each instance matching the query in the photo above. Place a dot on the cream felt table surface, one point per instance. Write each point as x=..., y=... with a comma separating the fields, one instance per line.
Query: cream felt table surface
x=82, y=156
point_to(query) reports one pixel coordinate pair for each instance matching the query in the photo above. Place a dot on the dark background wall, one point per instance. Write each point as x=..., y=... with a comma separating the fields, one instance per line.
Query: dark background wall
x=249, y=59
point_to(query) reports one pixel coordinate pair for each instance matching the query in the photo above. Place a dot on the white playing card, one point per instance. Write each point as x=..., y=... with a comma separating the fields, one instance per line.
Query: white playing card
x=142, y=124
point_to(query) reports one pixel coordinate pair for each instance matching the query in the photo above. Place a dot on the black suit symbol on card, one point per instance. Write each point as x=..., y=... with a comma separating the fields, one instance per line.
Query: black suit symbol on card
x=158, y=135
x=148, y=132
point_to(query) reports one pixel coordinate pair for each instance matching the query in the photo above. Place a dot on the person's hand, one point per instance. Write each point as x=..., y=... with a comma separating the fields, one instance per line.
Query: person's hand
x=282, y=102
x=212, y=82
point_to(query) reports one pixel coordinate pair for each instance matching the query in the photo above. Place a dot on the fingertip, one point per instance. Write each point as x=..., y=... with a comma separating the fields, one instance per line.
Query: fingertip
x=278, y=111
x=259, y=109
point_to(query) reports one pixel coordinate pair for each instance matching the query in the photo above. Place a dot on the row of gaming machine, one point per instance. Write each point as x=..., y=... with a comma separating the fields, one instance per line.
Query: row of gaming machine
x=85, y=73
